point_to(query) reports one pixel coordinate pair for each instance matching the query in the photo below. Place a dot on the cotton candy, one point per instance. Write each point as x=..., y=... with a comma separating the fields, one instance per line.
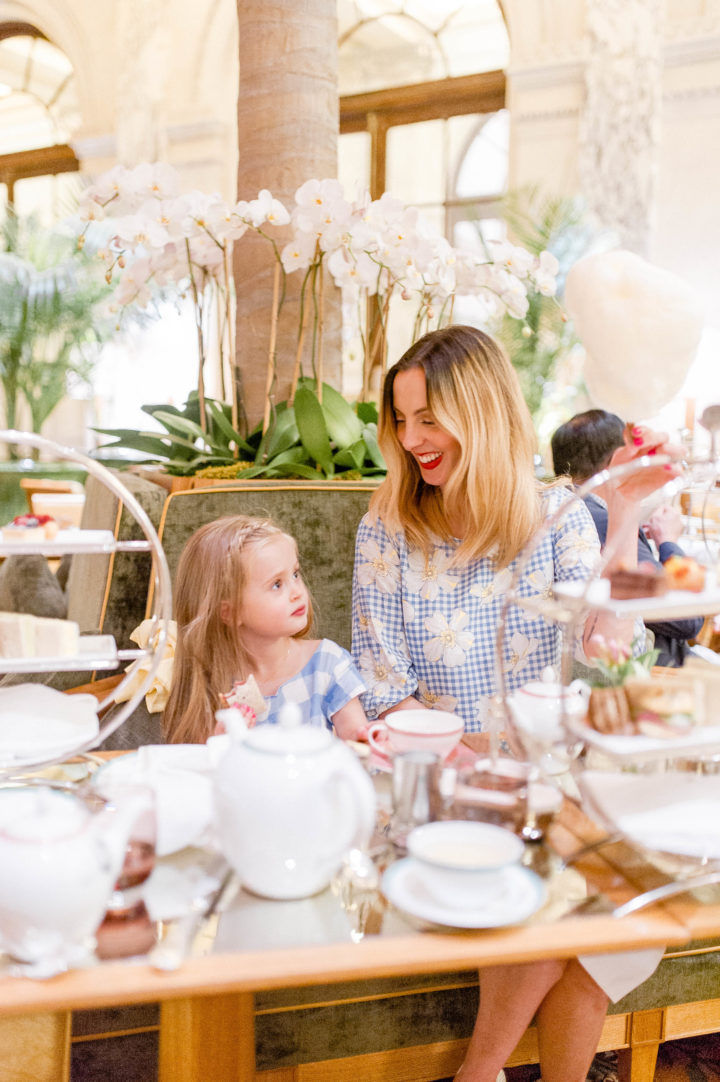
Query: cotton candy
x=640, y=326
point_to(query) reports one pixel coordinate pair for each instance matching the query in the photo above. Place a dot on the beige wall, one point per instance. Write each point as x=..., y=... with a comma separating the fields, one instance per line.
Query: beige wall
x=546, y=90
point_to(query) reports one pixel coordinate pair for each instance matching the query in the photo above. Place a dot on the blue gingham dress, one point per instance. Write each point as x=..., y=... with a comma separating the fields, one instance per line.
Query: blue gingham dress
x=428, y=629
x=326, y=683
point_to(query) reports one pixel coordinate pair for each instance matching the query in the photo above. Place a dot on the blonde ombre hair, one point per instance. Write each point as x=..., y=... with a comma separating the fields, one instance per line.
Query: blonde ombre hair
x=473, y=394
x=211, y=574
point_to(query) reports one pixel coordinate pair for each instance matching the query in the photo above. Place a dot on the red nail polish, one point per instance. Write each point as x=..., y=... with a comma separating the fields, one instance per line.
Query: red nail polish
x=652, y=451
x=636, y=431
x=637, y=440
x=668, y=466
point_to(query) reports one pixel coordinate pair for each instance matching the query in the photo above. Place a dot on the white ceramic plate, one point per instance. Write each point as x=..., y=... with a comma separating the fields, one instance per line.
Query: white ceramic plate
x=521, y=894
x=703, y=739
x=38, y=722
x=674, y=605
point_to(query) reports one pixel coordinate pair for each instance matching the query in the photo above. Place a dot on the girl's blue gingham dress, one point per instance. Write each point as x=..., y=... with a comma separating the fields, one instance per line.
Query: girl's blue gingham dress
x=323, y=686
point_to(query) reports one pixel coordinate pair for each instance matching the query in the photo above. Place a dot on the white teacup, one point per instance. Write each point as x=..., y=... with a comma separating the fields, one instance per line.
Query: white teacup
x=417, y=730
x=458, y=862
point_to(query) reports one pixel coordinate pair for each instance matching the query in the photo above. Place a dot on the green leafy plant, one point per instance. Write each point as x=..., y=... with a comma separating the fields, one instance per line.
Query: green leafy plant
x=51, y=317
x=308, y=439
x=557, y=224
x=616, y=663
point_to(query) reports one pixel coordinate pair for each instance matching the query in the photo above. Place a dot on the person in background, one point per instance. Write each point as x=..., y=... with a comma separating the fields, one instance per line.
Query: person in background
x=583, y=446
x=434, y=558
x=243, y=609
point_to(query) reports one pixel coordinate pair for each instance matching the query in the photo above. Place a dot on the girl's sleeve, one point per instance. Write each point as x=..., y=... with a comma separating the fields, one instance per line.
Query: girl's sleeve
x=379, y=643
x=345, y=684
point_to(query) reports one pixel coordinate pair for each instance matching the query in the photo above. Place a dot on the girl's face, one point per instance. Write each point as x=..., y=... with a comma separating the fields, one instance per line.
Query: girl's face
x=275, y=598
x=436, y=452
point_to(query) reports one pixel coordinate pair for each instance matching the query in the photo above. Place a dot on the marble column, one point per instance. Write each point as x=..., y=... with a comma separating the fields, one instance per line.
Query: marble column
x=620, y=124
x=287, y=134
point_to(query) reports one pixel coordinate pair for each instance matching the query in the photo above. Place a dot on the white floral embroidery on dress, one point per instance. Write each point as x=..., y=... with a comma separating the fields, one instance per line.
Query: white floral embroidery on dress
x=575, y=548
x=450, y=642
x=382, y=569
x=435, y=702
x=521, y=649
x=428, y=576
x=379, y=674
x=495, y=588
x=408, y=611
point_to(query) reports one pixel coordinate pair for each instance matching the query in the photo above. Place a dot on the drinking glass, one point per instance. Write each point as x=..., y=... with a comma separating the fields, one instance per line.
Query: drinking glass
x=135, y=803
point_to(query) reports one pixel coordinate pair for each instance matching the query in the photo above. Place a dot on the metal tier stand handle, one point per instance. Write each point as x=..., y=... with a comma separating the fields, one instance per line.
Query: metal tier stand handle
x=162, y=590
x=566, y=611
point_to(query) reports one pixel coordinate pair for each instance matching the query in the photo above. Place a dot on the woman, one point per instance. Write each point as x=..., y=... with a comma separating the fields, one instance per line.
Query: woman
x=434, y=556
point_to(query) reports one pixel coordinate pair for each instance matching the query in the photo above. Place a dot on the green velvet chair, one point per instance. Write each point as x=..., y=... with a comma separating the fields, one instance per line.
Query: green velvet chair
x=323, y=518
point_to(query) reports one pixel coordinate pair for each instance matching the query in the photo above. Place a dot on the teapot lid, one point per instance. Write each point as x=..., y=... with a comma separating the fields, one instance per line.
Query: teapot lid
x=289, y=736
x=547, y=686
x=41, y=815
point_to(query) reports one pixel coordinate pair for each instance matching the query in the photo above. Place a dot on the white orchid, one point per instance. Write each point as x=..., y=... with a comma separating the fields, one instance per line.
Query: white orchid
x=371, y=248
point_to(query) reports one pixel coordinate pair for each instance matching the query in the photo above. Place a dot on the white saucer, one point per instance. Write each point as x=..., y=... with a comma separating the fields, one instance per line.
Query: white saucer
x=522, y=893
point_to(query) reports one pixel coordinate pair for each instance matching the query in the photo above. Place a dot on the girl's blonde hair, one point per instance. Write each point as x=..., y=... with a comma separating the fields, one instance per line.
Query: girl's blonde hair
x=473, y=394
x=209, y=656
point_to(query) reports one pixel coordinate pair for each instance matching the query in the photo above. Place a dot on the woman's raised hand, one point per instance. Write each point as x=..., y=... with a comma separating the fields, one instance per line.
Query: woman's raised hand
x=640, y=441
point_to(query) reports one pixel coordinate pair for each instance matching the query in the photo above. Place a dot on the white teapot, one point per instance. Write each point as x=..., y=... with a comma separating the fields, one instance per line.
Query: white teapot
x=290, y=801
x=60, y=854
x=538, y=708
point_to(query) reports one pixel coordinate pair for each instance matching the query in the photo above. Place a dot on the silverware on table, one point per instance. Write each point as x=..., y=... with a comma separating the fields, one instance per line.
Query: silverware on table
x=180, y=936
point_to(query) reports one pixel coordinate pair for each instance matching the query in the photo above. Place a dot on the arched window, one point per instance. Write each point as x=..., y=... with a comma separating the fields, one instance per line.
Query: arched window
x=38, y=114
x=422, y=112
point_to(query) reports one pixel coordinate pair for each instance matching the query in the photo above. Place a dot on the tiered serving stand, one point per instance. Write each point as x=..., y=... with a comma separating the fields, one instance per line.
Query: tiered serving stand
x=96, y=651
x=660, y=796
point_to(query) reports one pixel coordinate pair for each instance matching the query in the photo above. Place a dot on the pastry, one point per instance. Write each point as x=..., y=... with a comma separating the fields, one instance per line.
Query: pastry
x=684, y=573
x=246, y=697
x=608, y=711
x=16, y=635
x=23, y=635
x=24, y=528
x=646, y=580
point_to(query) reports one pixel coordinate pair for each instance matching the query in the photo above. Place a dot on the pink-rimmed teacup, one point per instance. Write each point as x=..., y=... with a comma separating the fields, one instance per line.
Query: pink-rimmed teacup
x=436, y=731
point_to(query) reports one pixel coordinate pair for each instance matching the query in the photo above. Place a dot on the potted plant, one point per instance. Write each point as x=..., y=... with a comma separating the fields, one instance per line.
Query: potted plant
x=52, y=324
x=379, y=253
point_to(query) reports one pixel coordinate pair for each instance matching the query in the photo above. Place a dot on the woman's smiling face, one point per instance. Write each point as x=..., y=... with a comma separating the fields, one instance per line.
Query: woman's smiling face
x=436, y=452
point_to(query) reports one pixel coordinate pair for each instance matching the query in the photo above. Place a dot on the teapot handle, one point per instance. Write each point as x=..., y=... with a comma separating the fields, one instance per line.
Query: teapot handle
x=582, y=688
x=349, y=776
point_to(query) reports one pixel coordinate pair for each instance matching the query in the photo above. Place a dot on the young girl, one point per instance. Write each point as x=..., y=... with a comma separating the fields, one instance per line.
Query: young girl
x=243, y=609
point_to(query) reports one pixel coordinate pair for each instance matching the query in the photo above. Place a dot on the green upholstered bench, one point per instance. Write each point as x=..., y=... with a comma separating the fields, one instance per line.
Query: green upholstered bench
x=322, y=517
x=415, y=1029
x=112, y=595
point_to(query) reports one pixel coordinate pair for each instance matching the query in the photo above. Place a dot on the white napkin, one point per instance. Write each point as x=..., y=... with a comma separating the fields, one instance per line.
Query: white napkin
x=180, y=775
x=36, y=720
x=172, y=892
x=672, y=814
